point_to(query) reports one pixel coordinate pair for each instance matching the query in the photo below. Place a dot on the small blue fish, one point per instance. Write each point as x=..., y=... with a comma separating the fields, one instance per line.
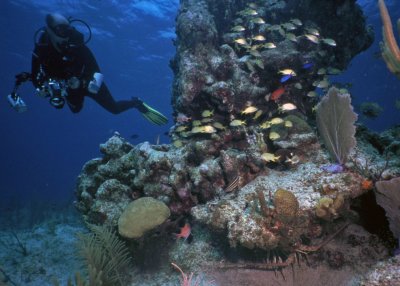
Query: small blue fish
x=333, y=168
x=308, y=65
x=286, y=78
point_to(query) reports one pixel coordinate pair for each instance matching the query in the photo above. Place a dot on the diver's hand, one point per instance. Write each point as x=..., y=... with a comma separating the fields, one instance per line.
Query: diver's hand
x=149, y=113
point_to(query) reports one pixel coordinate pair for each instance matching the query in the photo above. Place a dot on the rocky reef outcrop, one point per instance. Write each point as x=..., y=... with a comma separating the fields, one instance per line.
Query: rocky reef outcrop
x=230, y=53
x=245, y=159
x=269, y=201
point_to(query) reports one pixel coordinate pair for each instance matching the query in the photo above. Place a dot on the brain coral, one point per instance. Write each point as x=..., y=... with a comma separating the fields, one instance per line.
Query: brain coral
x=142, y=215
x=286, y=204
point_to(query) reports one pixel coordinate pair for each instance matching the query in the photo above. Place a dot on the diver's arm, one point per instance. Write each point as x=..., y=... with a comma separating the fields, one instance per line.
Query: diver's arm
x=90, y=63
x=35, y=69
x=40, y=51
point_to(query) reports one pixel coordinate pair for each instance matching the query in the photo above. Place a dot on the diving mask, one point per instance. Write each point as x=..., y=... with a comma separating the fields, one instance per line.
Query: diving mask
x=62, y=34
x=59, y=30
x=62, y=30
x=60, y=43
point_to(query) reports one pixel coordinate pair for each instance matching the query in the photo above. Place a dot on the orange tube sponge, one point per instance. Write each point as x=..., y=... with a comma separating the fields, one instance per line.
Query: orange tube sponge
x=389, y=38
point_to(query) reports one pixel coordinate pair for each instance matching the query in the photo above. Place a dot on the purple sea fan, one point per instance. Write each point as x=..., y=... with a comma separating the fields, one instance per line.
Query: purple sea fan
x=333, y=168
x=335, y=122
x=388, y=197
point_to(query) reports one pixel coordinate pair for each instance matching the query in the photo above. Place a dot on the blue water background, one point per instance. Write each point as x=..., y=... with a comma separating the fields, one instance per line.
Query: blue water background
x=43, y=150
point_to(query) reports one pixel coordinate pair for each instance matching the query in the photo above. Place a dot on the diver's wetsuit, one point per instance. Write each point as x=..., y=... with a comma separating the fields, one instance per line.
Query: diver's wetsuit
x=77, y=61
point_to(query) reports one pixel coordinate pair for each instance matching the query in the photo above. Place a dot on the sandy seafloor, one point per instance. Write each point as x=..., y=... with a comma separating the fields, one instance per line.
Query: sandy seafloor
x=51, y=253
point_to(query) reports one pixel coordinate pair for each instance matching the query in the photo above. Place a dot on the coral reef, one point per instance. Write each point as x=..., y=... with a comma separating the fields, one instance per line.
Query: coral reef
x=179, y=177
x=224, y=62
x=245, y=169
x=383, y=273
x=389, y=48
x=328, y=208
x=370, y=109
x=245, y=161
x=241, y=215
x=191, y=181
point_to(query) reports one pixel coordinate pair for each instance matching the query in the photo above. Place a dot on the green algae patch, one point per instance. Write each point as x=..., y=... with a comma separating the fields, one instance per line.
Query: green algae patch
x=142, y=215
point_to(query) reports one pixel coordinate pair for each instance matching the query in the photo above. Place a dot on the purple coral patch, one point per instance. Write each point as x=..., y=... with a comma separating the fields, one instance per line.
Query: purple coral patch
x=333, y=168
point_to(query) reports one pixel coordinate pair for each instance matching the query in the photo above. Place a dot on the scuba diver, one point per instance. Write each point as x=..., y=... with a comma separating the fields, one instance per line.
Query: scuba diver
x=65, y=71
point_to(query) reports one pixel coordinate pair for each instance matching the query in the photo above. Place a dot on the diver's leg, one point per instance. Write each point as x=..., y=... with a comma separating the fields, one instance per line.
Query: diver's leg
x=75, y=101
x=105, y=99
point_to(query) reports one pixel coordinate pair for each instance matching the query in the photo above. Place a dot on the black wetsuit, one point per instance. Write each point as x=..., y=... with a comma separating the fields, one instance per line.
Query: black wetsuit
x=77, y=61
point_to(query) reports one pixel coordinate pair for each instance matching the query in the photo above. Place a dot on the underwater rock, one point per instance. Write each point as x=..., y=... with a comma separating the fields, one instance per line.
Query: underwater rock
x=376, y=155
x=192, y=179
x=219, y=66
x=251, y=233
x=109, y=201
x=299, y=135
x=142, y=215
x=195, y=25
x=241, y=215
x=385, y=272
x=180, y=177
x=300, y=126
x=390, y=139
x=370, y=109
x=115, y=147
x=89, y=181
x=355, y=245
x=303, y=141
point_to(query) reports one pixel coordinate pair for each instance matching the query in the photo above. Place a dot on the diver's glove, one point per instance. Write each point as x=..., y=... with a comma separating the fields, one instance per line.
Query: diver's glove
x=149, y=113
